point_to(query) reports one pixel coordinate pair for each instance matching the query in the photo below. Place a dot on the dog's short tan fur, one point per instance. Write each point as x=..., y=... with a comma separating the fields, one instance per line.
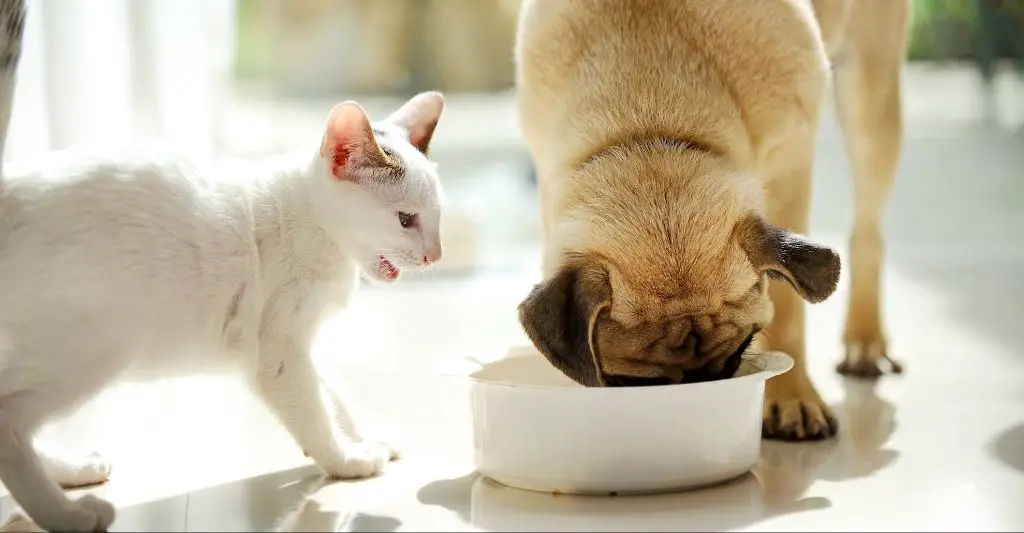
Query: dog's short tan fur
x=673, y=142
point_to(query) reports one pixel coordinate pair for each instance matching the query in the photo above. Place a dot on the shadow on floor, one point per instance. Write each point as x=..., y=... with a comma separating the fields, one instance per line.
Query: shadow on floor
x=488, y=506
x=281, y=501
x=787, y=470
x=1008, y=448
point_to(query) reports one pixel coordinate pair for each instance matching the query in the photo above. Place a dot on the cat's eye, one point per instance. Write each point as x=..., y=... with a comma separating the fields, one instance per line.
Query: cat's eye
x=407, y=220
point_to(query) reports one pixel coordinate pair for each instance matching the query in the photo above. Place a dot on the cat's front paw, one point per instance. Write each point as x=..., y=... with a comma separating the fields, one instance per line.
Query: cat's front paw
x=359, y=460
x=393, y=449
x=88, y=514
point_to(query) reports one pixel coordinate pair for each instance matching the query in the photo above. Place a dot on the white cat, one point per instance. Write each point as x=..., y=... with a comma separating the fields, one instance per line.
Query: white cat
x=111, y=265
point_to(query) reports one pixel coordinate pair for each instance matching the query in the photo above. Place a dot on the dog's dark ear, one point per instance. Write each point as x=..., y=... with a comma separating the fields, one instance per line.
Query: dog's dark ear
x=812, y=269
x=560, y=315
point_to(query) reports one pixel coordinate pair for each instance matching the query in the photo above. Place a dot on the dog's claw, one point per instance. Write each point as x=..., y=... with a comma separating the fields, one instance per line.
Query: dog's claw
x=797, y=420
x=866, y=362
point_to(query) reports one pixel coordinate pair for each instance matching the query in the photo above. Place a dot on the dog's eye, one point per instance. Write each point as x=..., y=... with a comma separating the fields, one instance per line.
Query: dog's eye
x=407, y=220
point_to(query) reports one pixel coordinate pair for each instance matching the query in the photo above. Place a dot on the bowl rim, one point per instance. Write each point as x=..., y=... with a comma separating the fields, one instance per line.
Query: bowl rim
x=772, y=363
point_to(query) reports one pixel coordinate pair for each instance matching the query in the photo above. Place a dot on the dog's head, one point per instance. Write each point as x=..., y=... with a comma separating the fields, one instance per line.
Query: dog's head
x=656, y=270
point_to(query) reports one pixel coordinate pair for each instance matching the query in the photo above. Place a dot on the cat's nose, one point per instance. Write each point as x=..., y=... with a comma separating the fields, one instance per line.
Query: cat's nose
x=431, y=255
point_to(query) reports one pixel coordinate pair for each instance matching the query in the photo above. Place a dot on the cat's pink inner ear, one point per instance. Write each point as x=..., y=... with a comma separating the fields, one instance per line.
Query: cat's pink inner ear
x=348, y=139
x=418, y=117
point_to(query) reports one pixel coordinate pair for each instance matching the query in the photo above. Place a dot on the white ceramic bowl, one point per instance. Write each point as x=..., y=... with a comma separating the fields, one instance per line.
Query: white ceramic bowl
x=536, y=429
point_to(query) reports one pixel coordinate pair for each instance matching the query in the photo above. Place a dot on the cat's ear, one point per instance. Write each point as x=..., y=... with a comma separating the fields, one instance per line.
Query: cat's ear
x=418, y=117
x=349, y=142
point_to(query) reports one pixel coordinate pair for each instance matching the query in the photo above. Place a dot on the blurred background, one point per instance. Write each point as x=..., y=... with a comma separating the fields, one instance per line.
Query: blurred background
x=247, y=77
x=238, y=78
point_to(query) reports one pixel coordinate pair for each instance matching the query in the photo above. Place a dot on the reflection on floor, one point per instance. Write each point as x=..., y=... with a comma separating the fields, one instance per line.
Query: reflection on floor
x=939, y=448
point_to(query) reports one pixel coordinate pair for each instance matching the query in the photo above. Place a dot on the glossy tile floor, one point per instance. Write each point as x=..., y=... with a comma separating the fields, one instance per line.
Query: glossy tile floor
x=939, y=448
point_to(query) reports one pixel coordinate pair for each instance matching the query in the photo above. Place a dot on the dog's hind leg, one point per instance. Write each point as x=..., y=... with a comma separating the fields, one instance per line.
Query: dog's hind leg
x=867, y=89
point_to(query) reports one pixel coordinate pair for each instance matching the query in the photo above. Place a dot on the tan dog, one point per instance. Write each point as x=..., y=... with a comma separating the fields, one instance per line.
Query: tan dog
x=673, y=141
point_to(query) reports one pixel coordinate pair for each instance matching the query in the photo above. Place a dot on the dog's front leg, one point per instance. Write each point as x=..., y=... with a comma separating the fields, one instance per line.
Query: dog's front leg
x=793, y=409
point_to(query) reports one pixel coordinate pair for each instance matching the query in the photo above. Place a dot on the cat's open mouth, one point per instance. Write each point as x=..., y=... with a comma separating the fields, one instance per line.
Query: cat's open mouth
x=386, y=269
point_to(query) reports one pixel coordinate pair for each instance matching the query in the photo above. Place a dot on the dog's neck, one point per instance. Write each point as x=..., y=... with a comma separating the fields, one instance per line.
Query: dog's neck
x=651, y=140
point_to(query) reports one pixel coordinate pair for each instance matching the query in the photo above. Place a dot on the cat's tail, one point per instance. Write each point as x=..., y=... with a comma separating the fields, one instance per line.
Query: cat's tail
x=12, y=29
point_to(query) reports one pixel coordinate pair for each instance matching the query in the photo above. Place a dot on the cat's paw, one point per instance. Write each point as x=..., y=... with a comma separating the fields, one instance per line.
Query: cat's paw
x=102, y=509
x=86, y=515
x=359, y=460
x=71, y=473
x=393, y=451
x=389, y=444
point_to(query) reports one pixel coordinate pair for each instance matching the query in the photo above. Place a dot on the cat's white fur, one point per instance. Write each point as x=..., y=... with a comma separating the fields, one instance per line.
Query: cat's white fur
x=142, y=263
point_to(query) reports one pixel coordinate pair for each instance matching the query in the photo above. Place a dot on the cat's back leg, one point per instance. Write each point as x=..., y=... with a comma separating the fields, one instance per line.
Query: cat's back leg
x=27, y=476
x=57, y=373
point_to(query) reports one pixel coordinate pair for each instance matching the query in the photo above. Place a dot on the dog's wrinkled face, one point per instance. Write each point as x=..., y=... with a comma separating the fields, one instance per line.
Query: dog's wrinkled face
x=662, y=286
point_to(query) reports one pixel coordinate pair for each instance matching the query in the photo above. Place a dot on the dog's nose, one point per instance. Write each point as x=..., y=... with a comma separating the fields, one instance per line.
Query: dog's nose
x=690, y=346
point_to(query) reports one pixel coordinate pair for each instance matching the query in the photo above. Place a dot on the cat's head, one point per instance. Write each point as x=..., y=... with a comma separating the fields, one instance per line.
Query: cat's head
x=379, y=193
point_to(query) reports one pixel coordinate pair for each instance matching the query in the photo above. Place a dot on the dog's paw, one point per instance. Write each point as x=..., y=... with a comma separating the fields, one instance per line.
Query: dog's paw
x=796, y=413
x=359, y=460
x=71, y=473
x=865, y=358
